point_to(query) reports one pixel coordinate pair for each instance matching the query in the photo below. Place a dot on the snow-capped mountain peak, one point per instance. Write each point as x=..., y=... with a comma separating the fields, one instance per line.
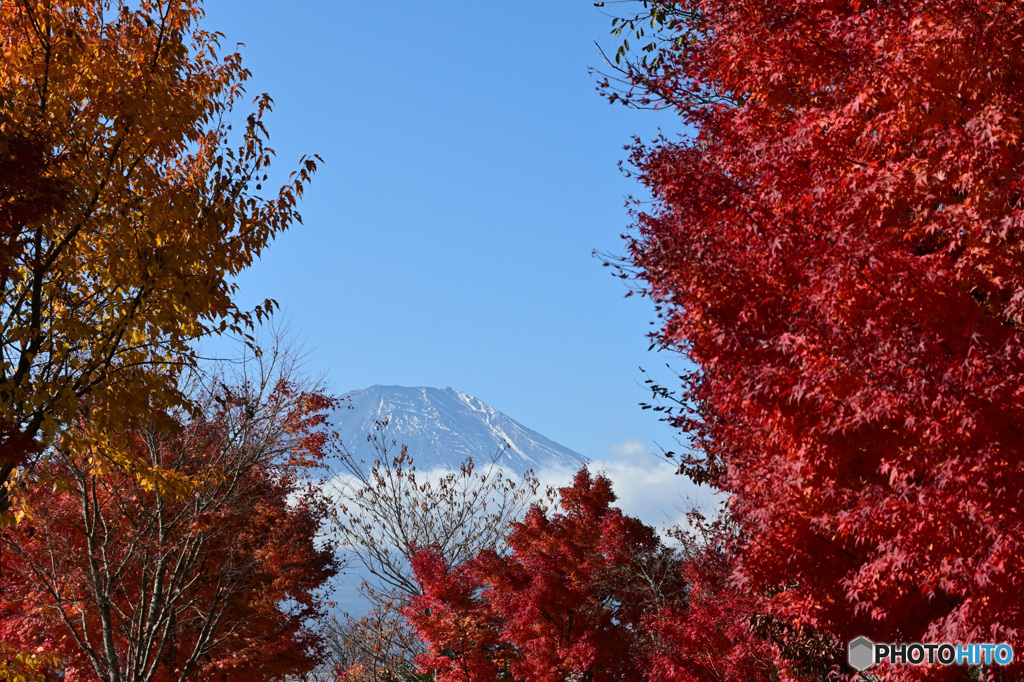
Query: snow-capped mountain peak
x=442, y=427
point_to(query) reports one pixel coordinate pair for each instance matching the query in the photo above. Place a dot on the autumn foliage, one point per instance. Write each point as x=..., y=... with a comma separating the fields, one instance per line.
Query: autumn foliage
x=836, y=246
x=839, y=251
x=590, y=594
x=126, y=207
x=116, y=577
x=148, y=532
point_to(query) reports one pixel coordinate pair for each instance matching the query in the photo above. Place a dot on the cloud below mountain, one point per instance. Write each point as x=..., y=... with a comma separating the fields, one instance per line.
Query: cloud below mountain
x=647, y=487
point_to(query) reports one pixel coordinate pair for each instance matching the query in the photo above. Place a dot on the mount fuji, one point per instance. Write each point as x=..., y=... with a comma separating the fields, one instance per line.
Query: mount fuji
x=442, y=427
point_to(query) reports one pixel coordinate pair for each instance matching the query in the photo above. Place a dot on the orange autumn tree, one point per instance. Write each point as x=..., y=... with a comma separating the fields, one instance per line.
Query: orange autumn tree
x=125, y=208
x=110, y=578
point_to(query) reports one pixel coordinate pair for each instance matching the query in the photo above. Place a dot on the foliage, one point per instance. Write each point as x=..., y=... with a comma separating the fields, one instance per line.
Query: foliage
x=388, y=510
x=839, y=252
x=588, y=594
x=124, y=209
x=126, y=579
x=20, y=666
x=721, y=634
x=375, y=647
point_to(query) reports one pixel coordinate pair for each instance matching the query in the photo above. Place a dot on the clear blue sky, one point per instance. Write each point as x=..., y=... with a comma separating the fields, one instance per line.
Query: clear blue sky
x=470, y=170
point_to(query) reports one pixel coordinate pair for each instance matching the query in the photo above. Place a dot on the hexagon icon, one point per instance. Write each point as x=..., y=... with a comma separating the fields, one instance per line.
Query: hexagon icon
x=861, y=653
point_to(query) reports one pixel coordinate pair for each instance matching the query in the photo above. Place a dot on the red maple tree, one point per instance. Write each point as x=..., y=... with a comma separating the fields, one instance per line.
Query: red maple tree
x=839, y=251
x=589, y=594
x=203, y=565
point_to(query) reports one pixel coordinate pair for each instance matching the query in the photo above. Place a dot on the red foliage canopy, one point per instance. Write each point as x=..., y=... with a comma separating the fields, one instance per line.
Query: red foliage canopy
x=204, y=566
x=586, y=594
x=840, y=252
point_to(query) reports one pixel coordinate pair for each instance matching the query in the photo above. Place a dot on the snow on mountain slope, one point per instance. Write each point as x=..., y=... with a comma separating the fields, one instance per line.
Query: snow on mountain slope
x=442, y=427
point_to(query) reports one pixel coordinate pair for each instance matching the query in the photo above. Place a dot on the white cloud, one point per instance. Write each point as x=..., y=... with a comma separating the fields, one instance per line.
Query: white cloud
x=647, y=487
x=629, y=449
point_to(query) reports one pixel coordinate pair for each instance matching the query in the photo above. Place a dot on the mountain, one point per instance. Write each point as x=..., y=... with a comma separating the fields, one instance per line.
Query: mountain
x=442, y=427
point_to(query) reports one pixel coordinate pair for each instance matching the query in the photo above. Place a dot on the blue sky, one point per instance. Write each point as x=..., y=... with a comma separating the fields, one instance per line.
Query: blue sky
x=470, y=171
